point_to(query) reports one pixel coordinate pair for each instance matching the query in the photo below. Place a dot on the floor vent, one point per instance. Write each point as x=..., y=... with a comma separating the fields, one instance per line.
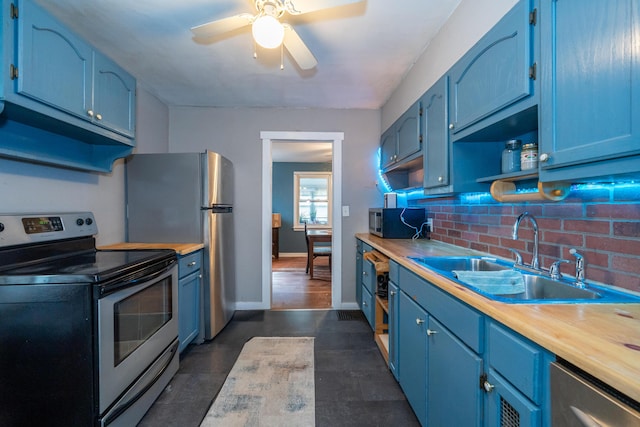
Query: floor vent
x=349, y=315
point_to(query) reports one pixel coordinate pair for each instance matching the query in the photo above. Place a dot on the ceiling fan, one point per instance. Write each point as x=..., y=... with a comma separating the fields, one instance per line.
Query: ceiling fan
x=267, y=29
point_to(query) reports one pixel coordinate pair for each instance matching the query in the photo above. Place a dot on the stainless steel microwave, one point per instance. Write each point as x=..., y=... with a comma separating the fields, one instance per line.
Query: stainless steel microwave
x=398, y=223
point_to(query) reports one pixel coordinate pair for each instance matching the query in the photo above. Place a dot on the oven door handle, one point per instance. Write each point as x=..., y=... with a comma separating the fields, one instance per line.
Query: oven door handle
x=157, y=369
x=135, y=280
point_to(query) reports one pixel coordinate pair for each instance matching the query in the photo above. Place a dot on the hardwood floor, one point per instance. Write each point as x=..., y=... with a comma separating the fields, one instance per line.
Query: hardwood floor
x=293, y=289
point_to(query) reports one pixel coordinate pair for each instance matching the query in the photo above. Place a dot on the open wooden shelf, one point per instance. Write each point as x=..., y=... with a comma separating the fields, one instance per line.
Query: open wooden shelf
x=381, y=333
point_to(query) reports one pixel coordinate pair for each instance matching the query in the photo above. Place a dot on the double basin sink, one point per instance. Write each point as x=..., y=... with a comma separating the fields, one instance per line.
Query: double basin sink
x=506, y=282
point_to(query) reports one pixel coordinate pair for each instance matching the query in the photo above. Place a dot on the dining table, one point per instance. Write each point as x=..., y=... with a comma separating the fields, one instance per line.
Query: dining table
x=316, y=236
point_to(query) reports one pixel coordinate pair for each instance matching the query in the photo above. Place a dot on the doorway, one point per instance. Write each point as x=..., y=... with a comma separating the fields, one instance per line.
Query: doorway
x=335, y=139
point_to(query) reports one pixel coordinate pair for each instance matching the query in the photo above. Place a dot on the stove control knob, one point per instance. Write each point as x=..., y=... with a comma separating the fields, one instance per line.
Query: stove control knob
x=1, y=227
x=79, y=221
x=88, y=221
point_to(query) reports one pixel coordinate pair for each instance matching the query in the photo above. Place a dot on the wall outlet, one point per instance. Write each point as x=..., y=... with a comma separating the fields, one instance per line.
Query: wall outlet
x=430, y=224
x=345, y=211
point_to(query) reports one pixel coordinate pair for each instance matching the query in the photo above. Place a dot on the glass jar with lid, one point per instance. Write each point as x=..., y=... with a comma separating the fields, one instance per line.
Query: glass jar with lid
x=511, y=156
x=529, y=156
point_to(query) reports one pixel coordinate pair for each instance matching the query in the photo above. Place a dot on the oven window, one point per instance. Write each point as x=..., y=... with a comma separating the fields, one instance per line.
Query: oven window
x=139, y=316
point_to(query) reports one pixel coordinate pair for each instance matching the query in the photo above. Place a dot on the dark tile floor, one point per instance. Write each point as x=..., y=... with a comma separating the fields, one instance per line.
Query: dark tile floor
x=353, y=385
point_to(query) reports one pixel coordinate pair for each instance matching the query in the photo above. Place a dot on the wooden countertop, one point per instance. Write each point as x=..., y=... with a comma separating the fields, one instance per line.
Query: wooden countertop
x=602, y=339
x=180, y=248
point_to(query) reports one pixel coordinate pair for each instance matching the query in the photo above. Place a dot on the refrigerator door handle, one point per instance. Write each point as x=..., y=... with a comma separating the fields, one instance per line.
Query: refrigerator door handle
x=219, y=209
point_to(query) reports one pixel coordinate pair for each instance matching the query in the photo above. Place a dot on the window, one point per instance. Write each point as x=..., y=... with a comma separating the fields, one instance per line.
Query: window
x=312, y=199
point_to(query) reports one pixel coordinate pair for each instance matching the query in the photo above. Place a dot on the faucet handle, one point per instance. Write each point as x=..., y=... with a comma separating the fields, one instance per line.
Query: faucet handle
x=517, y=254
x=554, y=270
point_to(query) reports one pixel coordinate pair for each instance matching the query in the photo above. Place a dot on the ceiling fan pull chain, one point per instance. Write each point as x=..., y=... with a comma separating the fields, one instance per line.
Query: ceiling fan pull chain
x=255, y=50
x=282, y=56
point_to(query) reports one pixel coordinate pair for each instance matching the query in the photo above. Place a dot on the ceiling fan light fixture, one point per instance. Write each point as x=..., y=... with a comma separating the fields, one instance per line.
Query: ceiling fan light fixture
x=267, y=31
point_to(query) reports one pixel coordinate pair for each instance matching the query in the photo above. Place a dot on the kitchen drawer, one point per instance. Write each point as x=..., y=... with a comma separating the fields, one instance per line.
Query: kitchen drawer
x=368, y=307
x=518, y=360
x=463, y=321
x=369, y=278
x=190, y=263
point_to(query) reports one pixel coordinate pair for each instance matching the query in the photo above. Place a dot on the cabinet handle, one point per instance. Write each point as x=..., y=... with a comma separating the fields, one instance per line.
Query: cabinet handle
x=544, y=157
x=191, y=264
x=90, y=113
x=419, y=321
x=99, y=116
x=451, y=126
x=364, y=303
x=364, y=273
x=431, y=332
x=488, y=387
x=392, y=293
x=440, y=178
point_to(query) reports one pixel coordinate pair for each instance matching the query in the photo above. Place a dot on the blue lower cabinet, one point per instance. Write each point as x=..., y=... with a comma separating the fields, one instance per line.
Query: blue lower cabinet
x=189, y=284
x=454, y=398
x=412, y=356
x=459, y=367
x=506, y=406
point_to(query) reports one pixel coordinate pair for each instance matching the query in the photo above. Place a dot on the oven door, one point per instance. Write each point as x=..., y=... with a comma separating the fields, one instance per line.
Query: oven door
x=136, y=324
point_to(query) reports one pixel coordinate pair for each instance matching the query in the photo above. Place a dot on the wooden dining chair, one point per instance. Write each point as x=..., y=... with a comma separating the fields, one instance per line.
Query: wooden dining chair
x=317, y=250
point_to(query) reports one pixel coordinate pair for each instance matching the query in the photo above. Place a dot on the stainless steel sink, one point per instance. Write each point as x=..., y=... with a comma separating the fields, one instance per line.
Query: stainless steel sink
x=449, y=264
x=543, y=288
x=538, y=288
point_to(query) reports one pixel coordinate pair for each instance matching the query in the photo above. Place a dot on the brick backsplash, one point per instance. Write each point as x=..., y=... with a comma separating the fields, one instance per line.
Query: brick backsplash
x=602, y=222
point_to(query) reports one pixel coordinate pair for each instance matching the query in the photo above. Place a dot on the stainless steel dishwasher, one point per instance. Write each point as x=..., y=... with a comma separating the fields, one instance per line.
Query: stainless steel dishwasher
x=578, y=400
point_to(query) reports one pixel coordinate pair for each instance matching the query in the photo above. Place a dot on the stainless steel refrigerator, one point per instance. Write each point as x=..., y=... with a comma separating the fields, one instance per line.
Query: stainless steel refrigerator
x=184, y=198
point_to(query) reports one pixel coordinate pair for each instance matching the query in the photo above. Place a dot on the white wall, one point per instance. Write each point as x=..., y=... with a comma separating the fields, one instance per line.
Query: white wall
x=235, y=133
x=152, y=123
x=470, y=21
x=32, y=188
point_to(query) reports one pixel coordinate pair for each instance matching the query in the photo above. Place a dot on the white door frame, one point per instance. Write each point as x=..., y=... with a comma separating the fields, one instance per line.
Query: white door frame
x=336, y=139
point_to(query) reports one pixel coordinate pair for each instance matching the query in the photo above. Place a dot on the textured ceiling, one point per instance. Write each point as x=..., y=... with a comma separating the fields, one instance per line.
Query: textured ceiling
x=363, y=50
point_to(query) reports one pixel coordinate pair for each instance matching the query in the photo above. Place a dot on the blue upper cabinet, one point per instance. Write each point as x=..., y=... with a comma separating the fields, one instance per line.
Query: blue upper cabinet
x=402, y=142
x=62, y=102
x=114, y=99
x=409, y=136
x=54, y=66
x=496, y=79
x=591, y=89
x=436, y=143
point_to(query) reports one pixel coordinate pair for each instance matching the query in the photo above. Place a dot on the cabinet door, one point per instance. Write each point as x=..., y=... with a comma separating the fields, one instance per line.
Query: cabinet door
x=408, y=130
x=505, y=406
x=494, y=74
x=393, y=329
x=54, y=65
x=436, y=141
x=453, y=376
x=189, y=308
x=412, y=355
x=113, y=97
x=591, y=91
x=388, y=147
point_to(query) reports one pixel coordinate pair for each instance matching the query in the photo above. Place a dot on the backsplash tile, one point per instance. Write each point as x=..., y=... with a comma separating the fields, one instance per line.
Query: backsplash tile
x=602, y=222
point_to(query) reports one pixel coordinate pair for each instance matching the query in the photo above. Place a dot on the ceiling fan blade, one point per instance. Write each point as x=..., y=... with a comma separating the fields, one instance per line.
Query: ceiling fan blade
x=298, y=7
x=221, y=26
x=298, y=50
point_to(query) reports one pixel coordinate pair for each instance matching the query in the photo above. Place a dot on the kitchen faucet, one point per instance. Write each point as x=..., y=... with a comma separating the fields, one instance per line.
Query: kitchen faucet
x=534, y=260
x=579, y=268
